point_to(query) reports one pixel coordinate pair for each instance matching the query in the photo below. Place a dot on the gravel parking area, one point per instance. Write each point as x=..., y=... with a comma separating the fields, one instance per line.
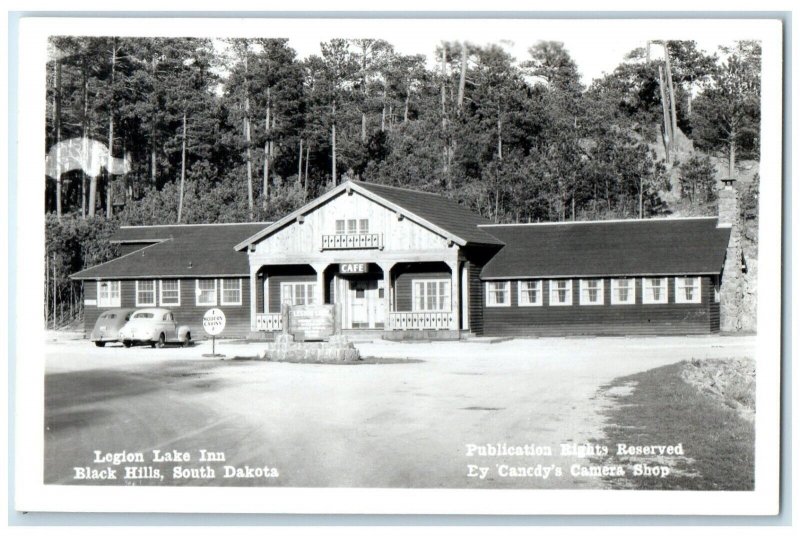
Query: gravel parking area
x=404, y=423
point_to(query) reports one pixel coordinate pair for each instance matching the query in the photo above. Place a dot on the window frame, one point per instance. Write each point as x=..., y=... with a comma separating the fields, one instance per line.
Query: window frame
x=490, y=302
x=615, y=287
x=520, y=294
x=438, y=297
x=680, y=298
x=553, y=291
x=645, y=288
x=222, y=290
x=198, y=292
x=161, y=301
x=310, y=299
x=110, y=301
x=583, y=287
x=140, y=304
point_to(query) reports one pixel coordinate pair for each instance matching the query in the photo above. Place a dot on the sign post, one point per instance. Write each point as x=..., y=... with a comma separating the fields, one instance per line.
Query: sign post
x=214, y=324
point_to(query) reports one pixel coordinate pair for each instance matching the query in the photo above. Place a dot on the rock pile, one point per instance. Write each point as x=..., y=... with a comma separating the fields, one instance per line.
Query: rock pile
x=285, y=349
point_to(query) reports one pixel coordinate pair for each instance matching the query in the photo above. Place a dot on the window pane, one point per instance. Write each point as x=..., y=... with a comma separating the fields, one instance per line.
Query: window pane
x=363, y=226
x=340, y=227
x=351, y=226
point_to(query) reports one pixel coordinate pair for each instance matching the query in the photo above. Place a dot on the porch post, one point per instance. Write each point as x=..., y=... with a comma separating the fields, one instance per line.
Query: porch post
x=388, y=286
x=320, y=270
x=253, y=296
x=455, y=293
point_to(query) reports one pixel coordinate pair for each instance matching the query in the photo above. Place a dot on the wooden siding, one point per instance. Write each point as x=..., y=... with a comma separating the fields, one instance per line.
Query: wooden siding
x=606, y=319
x=188, y=313
x=404, y=276
x=306, y=238
x=279, y=275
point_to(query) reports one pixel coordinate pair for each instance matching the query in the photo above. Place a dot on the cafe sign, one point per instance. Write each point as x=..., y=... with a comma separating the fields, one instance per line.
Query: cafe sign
x=353, y=268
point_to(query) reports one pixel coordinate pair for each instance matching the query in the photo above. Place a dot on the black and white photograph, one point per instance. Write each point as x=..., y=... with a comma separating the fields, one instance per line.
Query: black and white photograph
x=409, y=256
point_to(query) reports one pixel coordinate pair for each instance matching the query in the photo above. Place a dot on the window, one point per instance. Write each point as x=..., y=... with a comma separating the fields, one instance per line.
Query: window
x=170, y=292
x=561, y=292
x=654, y=290
x=363, y=226
x=592, y=292
x=143, y=315
x=352, y=227
x=108, y=295
x=430, y=295
x=168, y=317
x=498, y=293
x=298, y=293
x=206, y=292
x=623, y=291
x=145, y=292
x=340, y=227
x=687, y=290
x=231, y=292
x=529, y=293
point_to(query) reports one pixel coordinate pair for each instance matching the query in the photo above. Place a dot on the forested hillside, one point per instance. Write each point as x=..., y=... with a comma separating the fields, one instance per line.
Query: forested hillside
x=245, y=130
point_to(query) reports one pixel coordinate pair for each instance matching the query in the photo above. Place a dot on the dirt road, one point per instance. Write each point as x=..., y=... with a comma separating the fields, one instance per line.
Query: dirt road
x=409, y=423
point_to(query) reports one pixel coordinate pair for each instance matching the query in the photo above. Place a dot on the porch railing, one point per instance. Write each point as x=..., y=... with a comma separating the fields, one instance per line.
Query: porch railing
x=420, y=320
x=352, y=241
x=269, y=322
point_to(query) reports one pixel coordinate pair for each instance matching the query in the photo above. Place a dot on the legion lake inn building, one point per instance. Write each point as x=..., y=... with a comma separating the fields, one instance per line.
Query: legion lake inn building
x=405, y=263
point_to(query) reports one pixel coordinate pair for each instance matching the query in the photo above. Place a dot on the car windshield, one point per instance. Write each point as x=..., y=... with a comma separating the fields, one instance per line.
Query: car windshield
x=143, y=316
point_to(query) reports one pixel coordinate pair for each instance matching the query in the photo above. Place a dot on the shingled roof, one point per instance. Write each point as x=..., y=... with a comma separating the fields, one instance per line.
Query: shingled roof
x=178, y=251
x=438, y=210
x=611, y=248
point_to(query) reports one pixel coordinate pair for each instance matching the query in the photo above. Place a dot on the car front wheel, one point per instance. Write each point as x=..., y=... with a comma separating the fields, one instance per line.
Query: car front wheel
x=188, y=341
x=161, y=341
x=100, y=343
x=126, y=344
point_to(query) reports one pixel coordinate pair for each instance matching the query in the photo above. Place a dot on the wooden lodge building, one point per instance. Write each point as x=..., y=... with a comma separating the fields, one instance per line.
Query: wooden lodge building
x=404, y=263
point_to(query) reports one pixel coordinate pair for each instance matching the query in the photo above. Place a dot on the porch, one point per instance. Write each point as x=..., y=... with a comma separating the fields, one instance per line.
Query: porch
x=379, y=297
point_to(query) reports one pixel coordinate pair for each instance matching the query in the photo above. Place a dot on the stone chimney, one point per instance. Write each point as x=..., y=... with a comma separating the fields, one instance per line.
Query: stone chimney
x=732, y=283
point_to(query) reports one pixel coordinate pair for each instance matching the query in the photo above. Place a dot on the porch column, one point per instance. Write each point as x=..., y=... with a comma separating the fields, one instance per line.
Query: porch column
x=253, y=296
x=455, y=293
x=320, y=270
x=386, y=267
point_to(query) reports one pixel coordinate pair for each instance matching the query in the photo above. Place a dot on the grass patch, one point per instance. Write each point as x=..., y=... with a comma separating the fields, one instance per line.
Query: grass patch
x=665, y=410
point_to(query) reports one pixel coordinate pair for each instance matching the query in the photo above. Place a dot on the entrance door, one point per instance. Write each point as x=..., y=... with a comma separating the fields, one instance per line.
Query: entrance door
x=365, y=303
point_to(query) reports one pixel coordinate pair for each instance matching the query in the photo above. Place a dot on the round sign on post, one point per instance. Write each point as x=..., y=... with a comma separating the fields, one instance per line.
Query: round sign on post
x=214, y=324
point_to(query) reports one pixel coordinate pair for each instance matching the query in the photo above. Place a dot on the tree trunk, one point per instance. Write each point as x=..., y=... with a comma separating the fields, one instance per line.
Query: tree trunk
x=383, y=109
x=641, y=197
x=109, y=193
x=333, y=146
x=87, y=157
x=57, y=133
x=732, y=155
x=499, y=135
x=667, y=123
x=267, y=151
x=674, y=115
x=247, y=140
x=305, y=176
x=462, y=80
x=183, y=169
x=153, y=179
x=445, y=143
x=300, y=164
x=405, y=110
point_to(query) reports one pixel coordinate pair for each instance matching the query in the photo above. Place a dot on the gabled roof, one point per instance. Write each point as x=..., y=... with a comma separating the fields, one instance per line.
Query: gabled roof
x=608, y=248
x=433, y=211
x=178, y=251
